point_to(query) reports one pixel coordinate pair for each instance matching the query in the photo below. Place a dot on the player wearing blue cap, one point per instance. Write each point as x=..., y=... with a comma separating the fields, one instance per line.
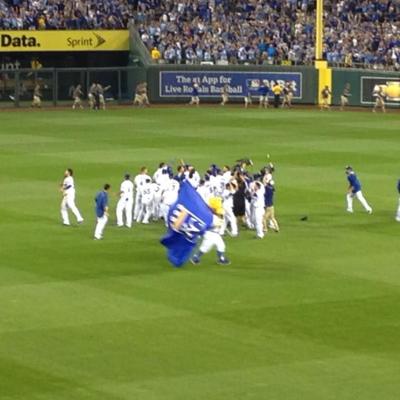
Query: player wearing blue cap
x=354, y=190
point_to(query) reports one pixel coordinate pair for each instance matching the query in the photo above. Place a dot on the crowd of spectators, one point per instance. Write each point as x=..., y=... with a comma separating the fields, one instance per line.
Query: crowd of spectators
x=230, y=31
x=270, y=31
x=65, y=14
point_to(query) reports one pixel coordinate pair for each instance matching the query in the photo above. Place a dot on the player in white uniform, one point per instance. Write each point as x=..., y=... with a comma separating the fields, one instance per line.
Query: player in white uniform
x=139, y=182
x=125, y=203
x=205, y=190
x=161, y=176
x=257, y=208
x=192, y=176
x=218, y=184
x=155, y=206
x=169, y=196
x=229, y=217
x=68, y=200
x=226, y=175
x=147, y=197
x=212, y=237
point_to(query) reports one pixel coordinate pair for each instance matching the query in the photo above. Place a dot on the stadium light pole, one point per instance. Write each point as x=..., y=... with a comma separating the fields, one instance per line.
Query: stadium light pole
x=319, y=30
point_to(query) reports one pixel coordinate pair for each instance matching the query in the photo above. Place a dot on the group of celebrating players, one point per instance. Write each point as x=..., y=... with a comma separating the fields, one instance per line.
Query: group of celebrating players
x=235, y=196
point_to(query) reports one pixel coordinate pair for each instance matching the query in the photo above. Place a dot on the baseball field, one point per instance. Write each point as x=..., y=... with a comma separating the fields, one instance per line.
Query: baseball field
x=310, y=313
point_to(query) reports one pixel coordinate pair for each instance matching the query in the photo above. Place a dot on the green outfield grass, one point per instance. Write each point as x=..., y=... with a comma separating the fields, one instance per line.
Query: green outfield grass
x=310, y=313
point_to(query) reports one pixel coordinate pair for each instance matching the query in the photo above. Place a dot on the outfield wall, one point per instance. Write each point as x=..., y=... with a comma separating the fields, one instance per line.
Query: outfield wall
x=362, y=83
x=173, y=83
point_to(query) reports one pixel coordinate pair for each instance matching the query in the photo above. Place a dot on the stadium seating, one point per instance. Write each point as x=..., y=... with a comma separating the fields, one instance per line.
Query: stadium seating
x=357, y=32
x=271, y=32
x=65, y=14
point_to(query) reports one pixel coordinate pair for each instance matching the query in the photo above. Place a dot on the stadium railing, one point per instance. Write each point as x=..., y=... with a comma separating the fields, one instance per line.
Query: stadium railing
x=139, y=53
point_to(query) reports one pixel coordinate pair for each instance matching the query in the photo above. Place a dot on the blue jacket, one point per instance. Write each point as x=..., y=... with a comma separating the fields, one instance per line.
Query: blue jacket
x=101, y=203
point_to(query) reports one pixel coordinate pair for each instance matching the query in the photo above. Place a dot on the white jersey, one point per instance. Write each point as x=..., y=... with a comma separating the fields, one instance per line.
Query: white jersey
x=205, y=191
x=126, y=190
x=170, y=193
x=217, y=184
x=226, y=177
x=146, y=192
x=227, y=197
x=69, y=186
x=157, y=175
x=140, y=180
x=257, y=197
x=156, y=189
x=194, y=180
x=161, y=177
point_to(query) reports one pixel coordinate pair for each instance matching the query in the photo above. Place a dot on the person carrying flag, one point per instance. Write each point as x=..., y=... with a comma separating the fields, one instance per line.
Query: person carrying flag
x=212, y=237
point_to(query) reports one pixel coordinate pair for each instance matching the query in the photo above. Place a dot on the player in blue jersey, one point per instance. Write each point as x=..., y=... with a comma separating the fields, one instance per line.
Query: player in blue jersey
x=354, y=190
x=195, y=99
x=263, y=91
x=101, y=201
x=398, y=208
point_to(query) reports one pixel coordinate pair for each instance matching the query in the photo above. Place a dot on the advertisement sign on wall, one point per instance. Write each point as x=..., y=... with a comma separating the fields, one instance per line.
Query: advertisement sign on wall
x=390, y=86
x=30, y=41
x=239, y=84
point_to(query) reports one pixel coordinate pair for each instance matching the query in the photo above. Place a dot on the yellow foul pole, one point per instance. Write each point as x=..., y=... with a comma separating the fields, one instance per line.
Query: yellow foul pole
x=324, y=72
x=319, y=30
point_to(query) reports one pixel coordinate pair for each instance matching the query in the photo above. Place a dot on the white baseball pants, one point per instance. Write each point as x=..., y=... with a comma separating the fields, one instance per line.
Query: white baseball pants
x=359, y=196
x=138, y=205
x=257, y=219
x=124, y=207
x=68, y=202
x=211, y=239
x=229, y=219
x=101, y=224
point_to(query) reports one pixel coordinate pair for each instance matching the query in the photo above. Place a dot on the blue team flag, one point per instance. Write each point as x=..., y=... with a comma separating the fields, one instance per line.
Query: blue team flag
x=188, y=219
